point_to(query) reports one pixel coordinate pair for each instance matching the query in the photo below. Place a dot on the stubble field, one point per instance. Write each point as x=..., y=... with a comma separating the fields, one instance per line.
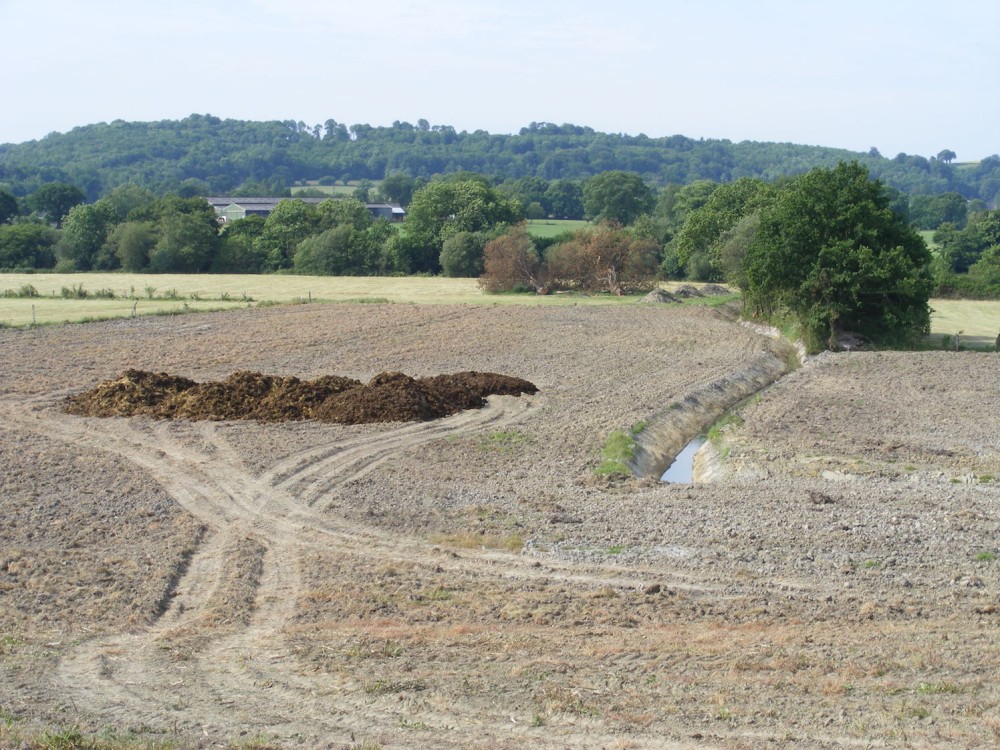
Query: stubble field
x=470, y=582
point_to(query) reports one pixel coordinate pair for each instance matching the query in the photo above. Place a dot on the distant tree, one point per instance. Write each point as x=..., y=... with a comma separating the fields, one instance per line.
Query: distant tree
x=617, y=196
x=462, y=254
x=957, y=249
x=534, y=210
x=362, y=192
x=397, y=188
x=465, y=175
x=285, y=227
x=874, y=153
x=960, y=249
x=931, y=211
x=174, y=204
x=27, y=245
x=238, y=254
x=199, y=154
x=730, y=251
x=605, y=258
x=704, y=227
x=527, y=190
x=947, y=156
x=125, y=199
x=343, y=212
x=310, y=192
x=8, y=206
x=831, y=252
x=251, y=188
x=510, y=263
x=565, y=199
x=986, y=225
x=186, y=244
x=675, y=202
x=443, y=208
x=131, y=243
x=85, y=230
x=338, y=251
x=986, y=269
x=335, y=131
x=238, y=249
x=53, y=200
x=344, y=251
x=194, y=188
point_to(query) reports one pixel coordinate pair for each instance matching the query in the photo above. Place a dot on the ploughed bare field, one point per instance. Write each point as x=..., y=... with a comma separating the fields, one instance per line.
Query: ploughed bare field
x=469, y=581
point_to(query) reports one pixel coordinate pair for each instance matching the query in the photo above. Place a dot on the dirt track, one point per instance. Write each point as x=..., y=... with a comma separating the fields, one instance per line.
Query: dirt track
x=468, y=582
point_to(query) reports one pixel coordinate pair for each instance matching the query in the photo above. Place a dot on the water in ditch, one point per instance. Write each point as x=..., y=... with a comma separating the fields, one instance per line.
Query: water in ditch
x=681, y=471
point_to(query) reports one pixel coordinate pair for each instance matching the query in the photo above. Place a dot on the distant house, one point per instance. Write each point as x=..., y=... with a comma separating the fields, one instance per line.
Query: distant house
x=229, y=208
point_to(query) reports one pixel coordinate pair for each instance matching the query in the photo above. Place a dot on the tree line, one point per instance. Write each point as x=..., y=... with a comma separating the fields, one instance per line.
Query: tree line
x=833, y=249
x=202, y=154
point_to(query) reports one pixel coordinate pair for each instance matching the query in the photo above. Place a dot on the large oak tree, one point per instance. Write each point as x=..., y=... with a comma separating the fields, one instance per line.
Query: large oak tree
x=830, y=251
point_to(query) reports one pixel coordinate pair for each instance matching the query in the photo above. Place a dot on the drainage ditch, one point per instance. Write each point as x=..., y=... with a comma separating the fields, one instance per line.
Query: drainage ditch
x=659, y=445
x=681, y=471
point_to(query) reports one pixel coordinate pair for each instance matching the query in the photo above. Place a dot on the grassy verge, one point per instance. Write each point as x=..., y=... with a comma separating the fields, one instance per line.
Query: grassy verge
x=619, y=450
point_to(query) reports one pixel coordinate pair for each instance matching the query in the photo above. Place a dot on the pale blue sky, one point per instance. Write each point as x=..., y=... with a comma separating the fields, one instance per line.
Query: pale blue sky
x=915, y=76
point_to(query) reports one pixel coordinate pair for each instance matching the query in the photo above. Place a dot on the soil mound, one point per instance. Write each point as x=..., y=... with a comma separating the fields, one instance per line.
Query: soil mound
x=388, y=397
x=687, y=292
x=714, y=290
x=658, y=296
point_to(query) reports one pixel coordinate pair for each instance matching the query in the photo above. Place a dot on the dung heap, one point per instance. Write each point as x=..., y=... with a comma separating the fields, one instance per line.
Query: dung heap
x=388, y=397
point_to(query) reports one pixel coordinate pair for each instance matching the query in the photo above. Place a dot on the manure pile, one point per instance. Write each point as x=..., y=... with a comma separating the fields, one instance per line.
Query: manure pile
x=388, y=397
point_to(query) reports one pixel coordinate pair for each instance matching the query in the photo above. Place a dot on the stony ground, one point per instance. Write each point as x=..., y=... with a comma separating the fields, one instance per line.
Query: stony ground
x=470, y=582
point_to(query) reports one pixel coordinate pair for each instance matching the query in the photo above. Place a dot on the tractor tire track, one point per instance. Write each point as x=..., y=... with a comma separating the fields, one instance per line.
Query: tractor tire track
x=189, y=670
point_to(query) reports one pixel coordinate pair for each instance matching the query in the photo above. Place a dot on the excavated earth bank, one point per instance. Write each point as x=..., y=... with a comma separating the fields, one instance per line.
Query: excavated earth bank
x=667, y=432
x=469, y=581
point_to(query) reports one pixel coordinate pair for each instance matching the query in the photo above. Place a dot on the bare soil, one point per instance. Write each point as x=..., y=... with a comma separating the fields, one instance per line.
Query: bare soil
x=469, y=582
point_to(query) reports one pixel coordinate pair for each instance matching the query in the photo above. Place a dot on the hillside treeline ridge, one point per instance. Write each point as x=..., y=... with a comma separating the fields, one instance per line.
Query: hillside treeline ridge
x=203, y=154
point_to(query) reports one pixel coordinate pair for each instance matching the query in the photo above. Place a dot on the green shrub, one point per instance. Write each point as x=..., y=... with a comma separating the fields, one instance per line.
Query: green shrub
x=24, y=291
x=76, y=291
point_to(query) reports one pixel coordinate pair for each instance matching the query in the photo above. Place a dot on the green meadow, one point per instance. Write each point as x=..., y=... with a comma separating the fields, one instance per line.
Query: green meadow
x=551, y=227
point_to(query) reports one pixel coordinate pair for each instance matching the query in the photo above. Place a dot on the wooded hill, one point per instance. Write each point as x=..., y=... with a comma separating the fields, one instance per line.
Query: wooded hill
x=207, y=155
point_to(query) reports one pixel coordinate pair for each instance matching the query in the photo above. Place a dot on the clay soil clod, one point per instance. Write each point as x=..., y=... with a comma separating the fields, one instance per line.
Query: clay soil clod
x=388, y=397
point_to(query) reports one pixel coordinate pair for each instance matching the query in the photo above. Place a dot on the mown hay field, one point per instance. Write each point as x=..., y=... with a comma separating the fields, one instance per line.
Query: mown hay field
x=158, y=294
x=164, y=294
x=976, y=321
